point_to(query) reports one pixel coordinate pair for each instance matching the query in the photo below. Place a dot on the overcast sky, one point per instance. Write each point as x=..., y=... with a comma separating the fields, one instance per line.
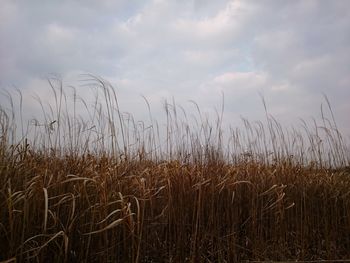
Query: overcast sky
x=292, y=52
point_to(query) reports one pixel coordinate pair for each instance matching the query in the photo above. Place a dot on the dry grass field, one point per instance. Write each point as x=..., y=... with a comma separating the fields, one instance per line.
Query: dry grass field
x=105, y=188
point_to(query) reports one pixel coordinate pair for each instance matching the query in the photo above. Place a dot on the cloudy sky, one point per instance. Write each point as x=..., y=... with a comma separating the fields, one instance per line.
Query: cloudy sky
x=292, y=52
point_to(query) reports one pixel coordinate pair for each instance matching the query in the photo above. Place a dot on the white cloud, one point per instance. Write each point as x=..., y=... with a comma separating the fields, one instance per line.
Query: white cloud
x=245, y=79
x=217, y=30
x=58, y=35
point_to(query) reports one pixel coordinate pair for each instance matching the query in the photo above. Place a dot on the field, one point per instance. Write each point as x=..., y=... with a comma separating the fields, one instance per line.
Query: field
x=102, y=187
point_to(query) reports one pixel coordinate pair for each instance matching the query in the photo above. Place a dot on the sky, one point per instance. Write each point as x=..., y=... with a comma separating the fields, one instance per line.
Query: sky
x=290, y=52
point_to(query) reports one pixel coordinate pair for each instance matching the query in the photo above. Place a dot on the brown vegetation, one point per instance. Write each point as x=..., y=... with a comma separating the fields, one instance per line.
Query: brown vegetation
x=107, y=189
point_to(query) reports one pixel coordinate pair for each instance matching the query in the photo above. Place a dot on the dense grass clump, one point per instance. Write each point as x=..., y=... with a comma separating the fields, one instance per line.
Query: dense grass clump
x=102, y=187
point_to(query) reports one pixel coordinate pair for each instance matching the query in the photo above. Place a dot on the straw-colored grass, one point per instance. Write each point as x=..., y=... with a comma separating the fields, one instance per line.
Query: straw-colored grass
x=105, y=188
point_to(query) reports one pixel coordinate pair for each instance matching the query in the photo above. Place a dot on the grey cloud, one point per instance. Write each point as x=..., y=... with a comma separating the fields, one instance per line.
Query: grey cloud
x=290, y=51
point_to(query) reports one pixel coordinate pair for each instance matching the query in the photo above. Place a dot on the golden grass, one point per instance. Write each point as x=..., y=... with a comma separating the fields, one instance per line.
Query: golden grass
x=72, y=193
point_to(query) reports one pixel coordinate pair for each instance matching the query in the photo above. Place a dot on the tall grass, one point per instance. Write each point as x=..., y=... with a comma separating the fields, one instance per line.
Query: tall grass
x=99, y=186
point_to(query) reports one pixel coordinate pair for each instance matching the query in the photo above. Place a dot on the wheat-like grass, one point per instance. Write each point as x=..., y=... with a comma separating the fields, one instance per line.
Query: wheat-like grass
x=106, y=188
